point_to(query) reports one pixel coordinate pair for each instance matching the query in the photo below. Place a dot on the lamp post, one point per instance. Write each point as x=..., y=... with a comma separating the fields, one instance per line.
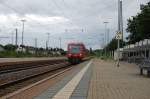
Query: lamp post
x=47, y=42
x=60, y=42
x=23, y=21
x=106, y=22
x=120, y=28
x=35, y=41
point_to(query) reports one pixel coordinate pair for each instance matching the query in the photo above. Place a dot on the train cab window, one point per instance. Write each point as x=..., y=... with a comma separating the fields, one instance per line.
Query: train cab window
x=74, y=49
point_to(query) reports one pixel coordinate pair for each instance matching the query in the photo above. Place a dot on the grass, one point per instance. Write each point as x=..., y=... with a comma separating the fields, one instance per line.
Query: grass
x=13, y=54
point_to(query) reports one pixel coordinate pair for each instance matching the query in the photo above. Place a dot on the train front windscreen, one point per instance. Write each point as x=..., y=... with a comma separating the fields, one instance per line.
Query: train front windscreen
x=74, y=49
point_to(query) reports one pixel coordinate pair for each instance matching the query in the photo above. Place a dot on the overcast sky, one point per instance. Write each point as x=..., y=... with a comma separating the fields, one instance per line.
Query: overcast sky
x=70, y=20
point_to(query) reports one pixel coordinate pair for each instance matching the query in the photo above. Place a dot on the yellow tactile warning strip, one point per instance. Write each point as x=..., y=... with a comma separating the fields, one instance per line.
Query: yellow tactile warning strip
x=67, y=90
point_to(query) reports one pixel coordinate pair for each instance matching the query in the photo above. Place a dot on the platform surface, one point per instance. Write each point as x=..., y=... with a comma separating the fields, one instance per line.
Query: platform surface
x=111, y=82
x=101, y=80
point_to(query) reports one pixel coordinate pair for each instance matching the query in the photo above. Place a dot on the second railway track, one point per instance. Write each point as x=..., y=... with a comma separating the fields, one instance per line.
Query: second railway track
x=10, y=74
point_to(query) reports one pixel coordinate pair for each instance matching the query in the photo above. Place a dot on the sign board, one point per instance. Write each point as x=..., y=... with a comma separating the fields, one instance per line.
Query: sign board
x=119, y=35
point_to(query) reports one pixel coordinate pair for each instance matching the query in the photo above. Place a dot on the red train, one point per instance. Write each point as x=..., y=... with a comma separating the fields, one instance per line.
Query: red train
x=76, y=52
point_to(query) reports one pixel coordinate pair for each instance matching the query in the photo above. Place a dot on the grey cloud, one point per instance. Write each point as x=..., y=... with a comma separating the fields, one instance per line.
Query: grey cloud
x=82, y=14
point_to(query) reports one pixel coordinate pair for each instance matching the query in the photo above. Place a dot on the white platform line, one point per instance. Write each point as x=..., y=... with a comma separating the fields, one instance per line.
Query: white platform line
x=68, y=89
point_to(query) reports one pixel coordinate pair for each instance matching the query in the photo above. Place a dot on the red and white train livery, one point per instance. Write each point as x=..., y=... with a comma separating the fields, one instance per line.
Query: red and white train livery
x=76, y=52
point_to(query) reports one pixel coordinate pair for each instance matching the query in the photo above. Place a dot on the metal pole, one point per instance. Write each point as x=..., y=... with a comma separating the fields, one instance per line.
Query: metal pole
x=48, y=40
x=12, y=38
x=23, y=34
x=35, y=42
x=119, y=15
x=121, y=19
x=23, y=31
x=46, y=45
x=103, y=43
x=16, y=42
x=118, y=53
x=119, y=28
x=60, y=42
x=106, y=36
x=35, y=46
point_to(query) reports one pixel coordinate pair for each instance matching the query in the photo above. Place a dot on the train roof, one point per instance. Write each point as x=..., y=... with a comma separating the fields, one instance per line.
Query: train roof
x=79, y=44
x=75, y=44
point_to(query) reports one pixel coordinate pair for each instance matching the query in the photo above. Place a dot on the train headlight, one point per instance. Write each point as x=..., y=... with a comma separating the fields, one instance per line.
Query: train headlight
x=69, y=54
x=80, y=54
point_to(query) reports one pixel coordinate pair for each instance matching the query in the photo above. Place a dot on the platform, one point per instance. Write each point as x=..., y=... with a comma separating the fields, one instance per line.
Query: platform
x=99, y=79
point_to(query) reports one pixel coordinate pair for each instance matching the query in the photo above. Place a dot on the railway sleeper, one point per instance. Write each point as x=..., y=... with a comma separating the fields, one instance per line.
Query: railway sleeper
x=29, y=64
x=11, y=77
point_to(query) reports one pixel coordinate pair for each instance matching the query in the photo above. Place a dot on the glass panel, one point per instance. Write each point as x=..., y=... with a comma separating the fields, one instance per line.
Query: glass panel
x=74, y=49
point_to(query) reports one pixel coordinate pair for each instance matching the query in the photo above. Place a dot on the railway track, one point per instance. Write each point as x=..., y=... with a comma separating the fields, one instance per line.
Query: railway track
x=16, y=72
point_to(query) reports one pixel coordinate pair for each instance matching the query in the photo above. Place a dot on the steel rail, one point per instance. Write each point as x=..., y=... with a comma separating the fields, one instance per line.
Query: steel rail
x=17, y=75
x=25, y=67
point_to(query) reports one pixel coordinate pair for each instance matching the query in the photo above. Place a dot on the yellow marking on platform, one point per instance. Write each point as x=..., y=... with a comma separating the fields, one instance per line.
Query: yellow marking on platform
x=67, y=90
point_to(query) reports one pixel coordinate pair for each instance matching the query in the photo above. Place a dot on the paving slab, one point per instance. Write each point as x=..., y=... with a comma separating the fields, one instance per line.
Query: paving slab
x=81, y=90
x=111, y=82
x=104, y=80
x=51, y=91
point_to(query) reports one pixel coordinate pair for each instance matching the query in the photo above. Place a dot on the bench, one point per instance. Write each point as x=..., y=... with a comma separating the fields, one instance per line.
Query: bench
x=145, y=65
x=139, y=60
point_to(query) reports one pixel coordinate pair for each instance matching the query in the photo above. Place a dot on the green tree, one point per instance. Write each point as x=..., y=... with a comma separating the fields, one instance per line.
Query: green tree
x=139, y=26
x=1, y=46
x=113, y=45
x=10, y=47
